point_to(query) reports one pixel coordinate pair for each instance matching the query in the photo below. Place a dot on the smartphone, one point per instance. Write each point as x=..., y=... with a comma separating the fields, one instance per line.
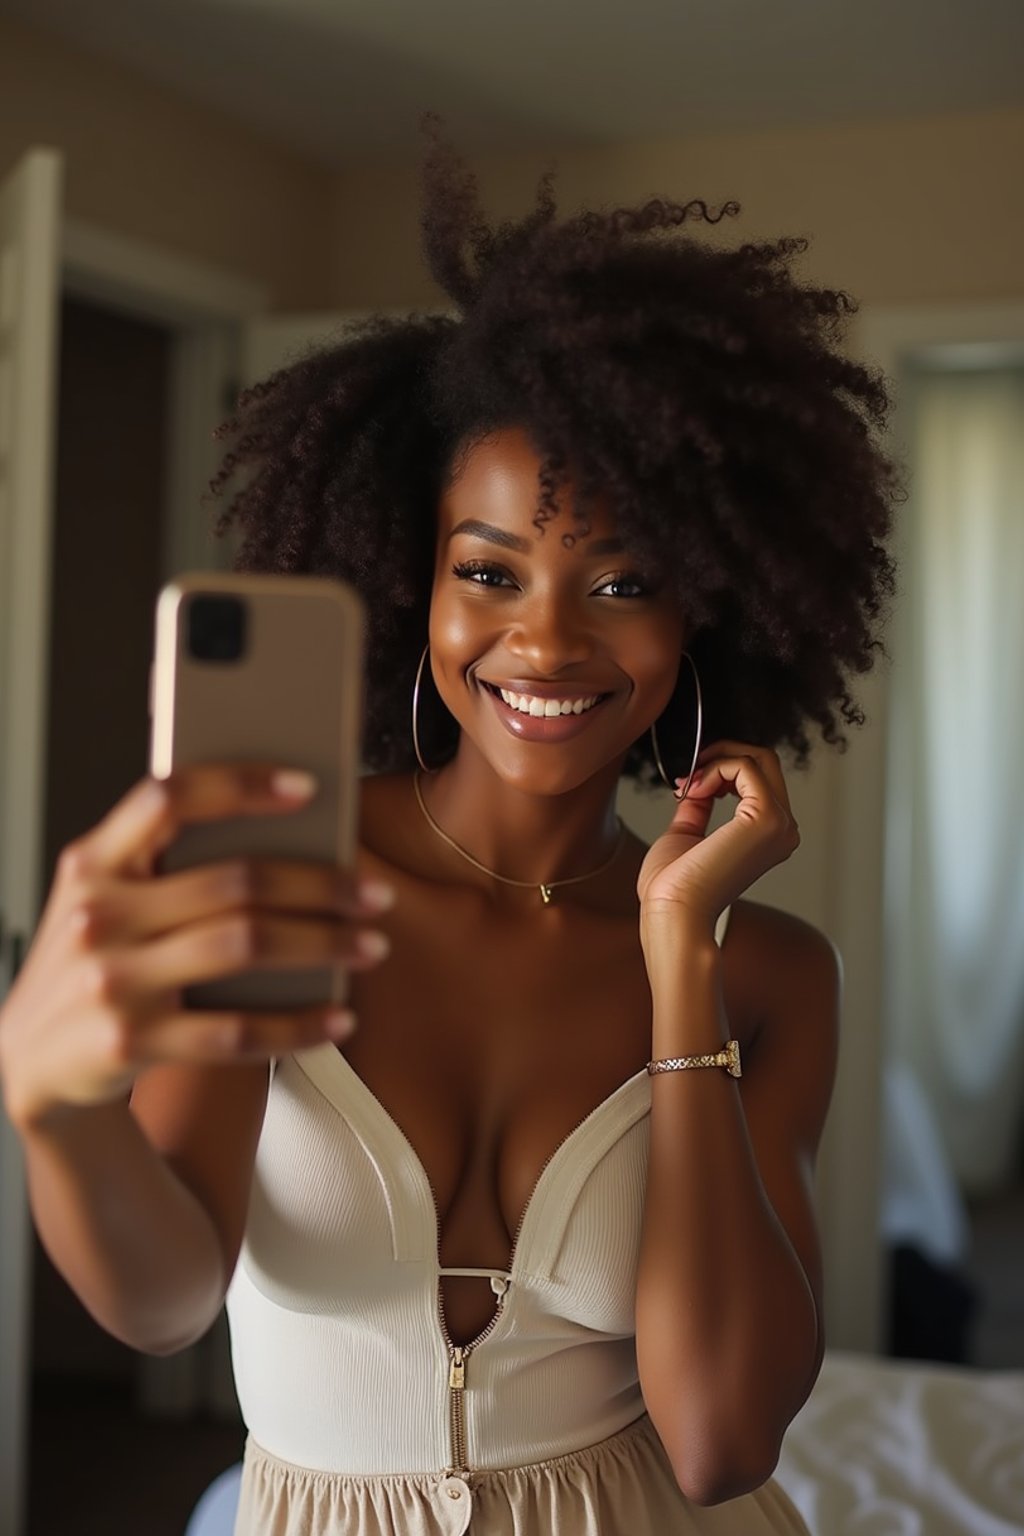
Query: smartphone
x=268, y=669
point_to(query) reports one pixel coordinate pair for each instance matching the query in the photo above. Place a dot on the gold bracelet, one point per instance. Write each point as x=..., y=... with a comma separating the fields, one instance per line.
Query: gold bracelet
x=729, y=1058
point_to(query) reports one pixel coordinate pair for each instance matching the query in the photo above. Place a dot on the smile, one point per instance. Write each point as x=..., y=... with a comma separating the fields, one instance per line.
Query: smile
x=530, y=704
x=532, y=718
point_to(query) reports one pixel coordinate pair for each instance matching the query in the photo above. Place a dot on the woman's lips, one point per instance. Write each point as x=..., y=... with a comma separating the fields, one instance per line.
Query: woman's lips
x=541, y=727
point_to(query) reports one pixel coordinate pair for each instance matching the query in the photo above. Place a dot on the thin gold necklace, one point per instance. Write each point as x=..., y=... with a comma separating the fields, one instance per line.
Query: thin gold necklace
x=544, y=886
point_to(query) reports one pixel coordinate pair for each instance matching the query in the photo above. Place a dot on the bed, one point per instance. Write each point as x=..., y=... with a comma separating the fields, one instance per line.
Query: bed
x=907, y=1448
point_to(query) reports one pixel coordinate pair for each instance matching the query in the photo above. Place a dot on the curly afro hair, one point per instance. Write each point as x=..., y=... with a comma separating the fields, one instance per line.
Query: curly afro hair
x=701, y=390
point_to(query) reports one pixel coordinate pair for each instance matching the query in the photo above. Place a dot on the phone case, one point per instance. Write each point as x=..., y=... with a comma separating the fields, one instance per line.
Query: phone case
x=293, y=696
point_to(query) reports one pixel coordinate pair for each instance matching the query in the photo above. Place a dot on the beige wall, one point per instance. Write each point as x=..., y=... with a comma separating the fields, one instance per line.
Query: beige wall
x=144, y=162
x=926, y=210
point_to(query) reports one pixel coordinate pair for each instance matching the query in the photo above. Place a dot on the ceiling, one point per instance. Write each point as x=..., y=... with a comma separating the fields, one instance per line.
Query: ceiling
x=345, y=80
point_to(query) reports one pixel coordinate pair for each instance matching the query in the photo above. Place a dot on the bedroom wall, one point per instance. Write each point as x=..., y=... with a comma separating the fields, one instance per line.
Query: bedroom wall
x=921, y=211
x=144, y=162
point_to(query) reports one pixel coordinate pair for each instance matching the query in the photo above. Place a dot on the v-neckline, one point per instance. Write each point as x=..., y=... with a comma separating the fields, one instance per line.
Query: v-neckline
x=414, y=1163
x=335, y=1070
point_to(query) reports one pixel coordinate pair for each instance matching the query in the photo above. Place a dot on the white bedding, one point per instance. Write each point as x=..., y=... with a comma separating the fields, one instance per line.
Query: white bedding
x=907, y=1448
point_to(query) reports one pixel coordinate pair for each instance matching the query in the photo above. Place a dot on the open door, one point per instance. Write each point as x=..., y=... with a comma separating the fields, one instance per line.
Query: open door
x=30, y=214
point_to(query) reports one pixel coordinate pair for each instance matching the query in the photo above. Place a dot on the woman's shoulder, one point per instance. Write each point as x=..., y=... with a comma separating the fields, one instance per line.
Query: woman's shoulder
x=785, y=961
x=775, y=929
x=385, y=816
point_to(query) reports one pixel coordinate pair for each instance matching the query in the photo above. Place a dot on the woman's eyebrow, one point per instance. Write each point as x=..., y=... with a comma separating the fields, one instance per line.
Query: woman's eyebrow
x=478, y=530
x=475, y=529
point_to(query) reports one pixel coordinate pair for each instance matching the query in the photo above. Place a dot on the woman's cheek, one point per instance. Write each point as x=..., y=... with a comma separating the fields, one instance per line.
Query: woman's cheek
x=458, y=642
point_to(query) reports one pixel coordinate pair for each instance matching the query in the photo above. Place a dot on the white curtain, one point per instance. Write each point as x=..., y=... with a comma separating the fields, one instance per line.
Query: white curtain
x=955, y=837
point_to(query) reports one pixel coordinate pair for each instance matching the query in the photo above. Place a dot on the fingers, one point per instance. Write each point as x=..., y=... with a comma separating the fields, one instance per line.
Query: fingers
x=754, y=773
x=100, y=993
x=764, y=759
x=226, y=946
x=154, y=811
x=117, y=911
x=218, y=1038
x=746, y=776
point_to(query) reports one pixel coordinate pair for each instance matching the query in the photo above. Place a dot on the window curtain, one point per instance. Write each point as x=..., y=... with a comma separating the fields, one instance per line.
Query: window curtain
x=955, y=834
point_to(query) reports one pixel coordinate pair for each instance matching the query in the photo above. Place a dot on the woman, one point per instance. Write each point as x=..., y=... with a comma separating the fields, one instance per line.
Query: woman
x=527, y=1236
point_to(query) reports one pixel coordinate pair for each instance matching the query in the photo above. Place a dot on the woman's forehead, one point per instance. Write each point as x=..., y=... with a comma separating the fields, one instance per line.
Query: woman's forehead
x=497, y=480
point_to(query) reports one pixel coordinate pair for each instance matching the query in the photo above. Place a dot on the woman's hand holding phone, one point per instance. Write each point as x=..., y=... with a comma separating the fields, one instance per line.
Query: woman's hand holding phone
x=99, y=997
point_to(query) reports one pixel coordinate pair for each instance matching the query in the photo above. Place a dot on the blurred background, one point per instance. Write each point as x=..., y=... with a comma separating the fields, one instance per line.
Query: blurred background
x=191, y=191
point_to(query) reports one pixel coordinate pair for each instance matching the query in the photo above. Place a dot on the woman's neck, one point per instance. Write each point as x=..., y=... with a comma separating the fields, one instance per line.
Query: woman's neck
x=517, y=832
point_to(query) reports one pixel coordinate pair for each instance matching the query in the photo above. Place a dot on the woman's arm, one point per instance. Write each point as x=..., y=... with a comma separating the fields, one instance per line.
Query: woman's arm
x=148, y=1246
x=729, y=1334
x=142, y=1208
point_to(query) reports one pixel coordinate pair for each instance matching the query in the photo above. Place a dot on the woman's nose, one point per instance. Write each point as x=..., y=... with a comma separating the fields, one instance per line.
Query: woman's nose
x=550, y=638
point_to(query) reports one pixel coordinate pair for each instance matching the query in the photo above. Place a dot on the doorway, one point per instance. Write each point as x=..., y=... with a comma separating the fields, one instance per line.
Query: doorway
x=97, y=1462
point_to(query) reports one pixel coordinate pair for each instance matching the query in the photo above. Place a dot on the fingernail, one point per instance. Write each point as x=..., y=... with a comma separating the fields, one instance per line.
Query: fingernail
x=374, y=945
x=340, y=1024
x=377, y=894
x=293, y=784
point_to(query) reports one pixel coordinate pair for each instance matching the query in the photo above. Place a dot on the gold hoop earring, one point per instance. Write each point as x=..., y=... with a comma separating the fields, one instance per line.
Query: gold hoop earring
x=415, y=708
x=670, y=783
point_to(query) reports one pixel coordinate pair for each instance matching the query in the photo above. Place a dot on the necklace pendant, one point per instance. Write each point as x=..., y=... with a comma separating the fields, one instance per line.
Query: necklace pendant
x=545, y=895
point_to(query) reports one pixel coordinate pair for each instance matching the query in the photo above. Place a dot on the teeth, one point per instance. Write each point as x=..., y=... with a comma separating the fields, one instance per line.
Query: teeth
x=529, y=704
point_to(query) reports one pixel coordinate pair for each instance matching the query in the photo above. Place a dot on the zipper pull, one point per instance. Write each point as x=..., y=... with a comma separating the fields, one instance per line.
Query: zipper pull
x=457, y=1372
x=499, y=1285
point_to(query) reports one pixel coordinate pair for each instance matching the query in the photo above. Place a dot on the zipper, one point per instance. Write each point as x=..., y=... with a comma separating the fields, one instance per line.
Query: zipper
x=457, y=1412
x=458, y=1354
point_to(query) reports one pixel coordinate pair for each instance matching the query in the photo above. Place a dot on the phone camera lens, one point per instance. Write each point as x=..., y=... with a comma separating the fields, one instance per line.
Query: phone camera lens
x=216, y=627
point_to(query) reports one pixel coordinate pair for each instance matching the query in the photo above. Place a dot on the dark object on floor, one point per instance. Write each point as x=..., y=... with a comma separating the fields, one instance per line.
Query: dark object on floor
x=931, y=1308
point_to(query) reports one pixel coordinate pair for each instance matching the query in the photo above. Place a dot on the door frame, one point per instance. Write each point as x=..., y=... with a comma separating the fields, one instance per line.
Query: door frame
x=204, y=308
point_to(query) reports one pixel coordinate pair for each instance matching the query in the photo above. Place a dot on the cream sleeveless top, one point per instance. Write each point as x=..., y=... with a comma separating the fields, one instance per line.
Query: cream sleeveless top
x=342, y=1362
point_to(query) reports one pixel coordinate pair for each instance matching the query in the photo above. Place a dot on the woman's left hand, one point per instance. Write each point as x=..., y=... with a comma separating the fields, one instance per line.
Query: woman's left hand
x=689, y=876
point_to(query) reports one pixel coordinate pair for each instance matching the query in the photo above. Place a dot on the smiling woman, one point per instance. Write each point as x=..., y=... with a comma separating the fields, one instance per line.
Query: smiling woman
x=534, y=1246
x=700, y=392
x=571, y=628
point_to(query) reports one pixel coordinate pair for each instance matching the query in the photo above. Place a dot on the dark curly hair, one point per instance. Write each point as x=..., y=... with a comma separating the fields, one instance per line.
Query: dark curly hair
x=701, y=390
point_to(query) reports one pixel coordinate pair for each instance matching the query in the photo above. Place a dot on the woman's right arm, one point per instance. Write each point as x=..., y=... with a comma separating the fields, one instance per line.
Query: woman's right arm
x=148, y=1251
x=142, y=1204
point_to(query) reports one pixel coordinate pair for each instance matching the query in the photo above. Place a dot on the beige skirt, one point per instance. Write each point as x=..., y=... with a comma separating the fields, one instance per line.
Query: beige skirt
x=623, y=1486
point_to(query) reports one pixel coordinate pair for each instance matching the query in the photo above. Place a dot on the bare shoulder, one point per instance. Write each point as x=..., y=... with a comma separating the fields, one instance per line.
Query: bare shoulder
x=792, y=976
x=790, y=970
x=388, y=831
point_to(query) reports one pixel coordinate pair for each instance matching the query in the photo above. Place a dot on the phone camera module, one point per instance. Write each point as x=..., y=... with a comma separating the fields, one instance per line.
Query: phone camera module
x=216, y=627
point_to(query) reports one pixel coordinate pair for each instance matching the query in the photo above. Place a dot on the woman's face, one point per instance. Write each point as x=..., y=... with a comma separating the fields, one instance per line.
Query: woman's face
x=521, y=625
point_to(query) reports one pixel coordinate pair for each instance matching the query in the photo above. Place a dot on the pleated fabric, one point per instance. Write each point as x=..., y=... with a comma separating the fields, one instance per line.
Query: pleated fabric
x=621, y=1487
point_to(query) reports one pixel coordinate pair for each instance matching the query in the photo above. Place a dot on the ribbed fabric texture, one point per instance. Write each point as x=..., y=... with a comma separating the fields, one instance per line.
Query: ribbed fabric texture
x=341, y=1365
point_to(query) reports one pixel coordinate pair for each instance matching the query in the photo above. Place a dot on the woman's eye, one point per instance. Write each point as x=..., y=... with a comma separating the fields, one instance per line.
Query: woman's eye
x=635, y=587
x=479, y=573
